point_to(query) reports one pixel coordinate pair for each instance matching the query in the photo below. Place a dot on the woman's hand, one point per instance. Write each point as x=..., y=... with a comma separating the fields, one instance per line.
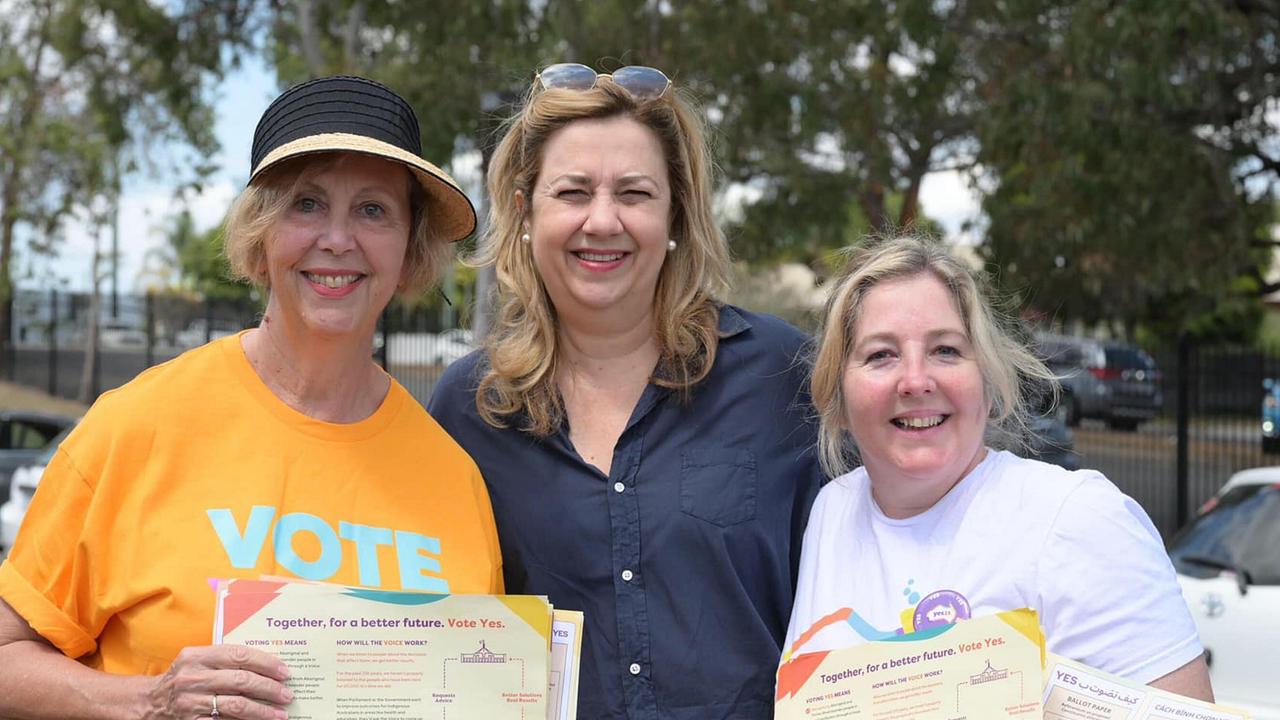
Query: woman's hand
x=247, y=684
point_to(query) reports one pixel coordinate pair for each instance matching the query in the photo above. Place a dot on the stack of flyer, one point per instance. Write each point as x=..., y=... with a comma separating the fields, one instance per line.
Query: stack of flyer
x=980, y=669
x=359, y=653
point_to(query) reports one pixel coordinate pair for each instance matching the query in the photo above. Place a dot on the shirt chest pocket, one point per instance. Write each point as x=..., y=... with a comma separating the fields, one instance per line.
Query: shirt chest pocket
x=719, y=485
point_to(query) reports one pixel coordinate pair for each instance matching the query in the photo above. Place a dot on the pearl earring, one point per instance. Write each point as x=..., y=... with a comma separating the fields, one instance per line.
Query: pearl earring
x=524, y=237
x=671, y=245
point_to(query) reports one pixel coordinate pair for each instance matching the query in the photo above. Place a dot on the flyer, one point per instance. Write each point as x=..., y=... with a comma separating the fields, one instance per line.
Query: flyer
x=566, y=651
x=357, y=653
x=1073, y=691
x=980, y=669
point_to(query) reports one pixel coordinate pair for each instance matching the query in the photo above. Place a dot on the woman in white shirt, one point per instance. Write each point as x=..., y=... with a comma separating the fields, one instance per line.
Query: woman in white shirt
x=917, y=379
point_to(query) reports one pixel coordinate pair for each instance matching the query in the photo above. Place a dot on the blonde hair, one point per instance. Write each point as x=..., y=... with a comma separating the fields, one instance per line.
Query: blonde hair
x=1010, y=371
x=522, y=348
x=253, y=217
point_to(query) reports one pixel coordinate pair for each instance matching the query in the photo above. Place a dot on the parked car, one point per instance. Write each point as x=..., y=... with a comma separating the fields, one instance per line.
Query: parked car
x=428, y=348
x=1228, y=562
x=1111, y=381
x=452, y=345
x=23, y=488
x=118, y=334
x=198, y=332
x=1270, y=416
x=23, y=435
x=1051, y=440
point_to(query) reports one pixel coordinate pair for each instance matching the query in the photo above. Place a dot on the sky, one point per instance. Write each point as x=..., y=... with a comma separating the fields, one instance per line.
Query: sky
x=148, y=202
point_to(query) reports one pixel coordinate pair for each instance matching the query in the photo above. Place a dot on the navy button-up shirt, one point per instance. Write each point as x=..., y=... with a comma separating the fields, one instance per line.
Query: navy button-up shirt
x=683, y=559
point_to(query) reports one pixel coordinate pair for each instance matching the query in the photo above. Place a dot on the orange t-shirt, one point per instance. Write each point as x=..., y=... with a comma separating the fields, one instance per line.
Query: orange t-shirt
x=195, y=471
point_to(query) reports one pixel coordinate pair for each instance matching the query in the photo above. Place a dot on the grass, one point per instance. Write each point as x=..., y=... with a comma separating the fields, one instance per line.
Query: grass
x=23, y=397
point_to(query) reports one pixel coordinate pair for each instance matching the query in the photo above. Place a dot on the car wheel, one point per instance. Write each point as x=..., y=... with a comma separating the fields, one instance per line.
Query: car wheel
x=1070, y=412
x=1125, y=424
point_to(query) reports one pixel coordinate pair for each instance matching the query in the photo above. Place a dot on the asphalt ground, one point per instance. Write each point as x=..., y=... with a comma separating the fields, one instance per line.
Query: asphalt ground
x=1143, y=464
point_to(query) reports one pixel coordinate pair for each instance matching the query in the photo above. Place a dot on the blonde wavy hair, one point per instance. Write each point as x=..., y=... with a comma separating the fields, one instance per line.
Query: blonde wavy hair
x=253, y=217
x=522, y=348
x=1011, y=372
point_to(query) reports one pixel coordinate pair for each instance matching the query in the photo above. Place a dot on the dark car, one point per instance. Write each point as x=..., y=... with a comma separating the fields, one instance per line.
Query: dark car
x=1112, y=381
x=1050, y=439
x=23, y=434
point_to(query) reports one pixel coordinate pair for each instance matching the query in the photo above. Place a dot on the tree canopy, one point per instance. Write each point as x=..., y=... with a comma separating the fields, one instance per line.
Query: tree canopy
x=1127, y=152
x=82, y=82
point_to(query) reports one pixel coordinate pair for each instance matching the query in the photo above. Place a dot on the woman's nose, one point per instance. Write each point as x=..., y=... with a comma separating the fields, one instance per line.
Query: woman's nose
x=602, y=216
x=337, y=235
x=916, y=379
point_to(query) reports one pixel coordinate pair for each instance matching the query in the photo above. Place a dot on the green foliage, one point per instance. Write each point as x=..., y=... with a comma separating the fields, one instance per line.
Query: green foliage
x=1123, y=146
x=196, y=263
x=458, y=64
x=1118, y=133
x=785, y=91
x=86, y=83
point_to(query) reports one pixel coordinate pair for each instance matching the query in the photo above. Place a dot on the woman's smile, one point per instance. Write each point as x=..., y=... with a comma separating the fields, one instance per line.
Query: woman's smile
x=333, y=284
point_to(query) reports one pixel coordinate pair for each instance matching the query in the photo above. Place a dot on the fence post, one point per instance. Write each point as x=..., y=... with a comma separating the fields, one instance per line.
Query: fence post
x=53, y=342
x=208, y=319
x=11, y=347
x=382, y=331
x=1182, y=492
x=150, y=305
x=95, y=318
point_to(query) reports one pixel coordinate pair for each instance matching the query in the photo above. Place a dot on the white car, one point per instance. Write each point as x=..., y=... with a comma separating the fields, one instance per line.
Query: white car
x=22, y=489
x=116, y=334
x=428, y=348
x=195, y=334
x=1228, y=562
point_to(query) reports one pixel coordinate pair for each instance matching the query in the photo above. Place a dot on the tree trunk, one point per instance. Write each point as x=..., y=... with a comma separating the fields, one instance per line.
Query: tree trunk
x=309, y=35
x=351, y=39
x=88, y=389
x=486, y=277
x=11, y=188
x=911, y=199
x=871, y=200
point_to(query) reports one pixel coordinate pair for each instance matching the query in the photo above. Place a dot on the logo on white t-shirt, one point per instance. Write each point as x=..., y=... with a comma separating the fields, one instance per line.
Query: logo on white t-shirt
x=943, y=607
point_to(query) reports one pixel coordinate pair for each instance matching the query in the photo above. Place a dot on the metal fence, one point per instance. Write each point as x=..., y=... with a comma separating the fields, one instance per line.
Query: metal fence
x=54, y=347
x=1207, y=427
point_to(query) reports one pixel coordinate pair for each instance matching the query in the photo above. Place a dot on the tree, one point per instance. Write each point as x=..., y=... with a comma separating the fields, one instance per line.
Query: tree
x=193, y=262
x=81, y=81
x=1122, y=138
x=1123, y=144
x=450, y=61
x=777, y=81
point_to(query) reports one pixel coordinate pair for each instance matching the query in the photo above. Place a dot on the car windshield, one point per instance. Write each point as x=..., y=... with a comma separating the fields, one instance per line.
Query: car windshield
x=47, y=456
x=1242, y=530
x=1123, y=357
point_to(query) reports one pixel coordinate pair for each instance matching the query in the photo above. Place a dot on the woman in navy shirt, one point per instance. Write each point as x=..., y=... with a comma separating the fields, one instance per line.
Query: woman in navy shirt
x=648, y=450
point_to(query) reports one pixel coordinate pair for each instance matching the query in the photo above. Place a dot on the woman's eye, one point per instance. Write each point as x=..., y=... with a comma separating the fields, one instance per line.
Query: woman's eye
x=306, y=204
x=878, y=355
x=572, y=194
x=947, y=351
x=372, y=210
x=637, y=195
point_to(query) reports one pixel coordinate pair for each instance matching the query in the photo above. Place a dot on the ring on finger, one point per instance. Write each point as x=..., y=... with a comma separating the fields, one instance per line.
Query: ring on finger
x=214, y=712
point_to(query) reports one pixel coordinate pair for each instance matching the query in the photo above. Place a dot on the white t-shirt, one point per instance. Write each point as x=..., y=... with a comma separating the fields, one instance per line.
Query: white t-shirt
x=1014, y=533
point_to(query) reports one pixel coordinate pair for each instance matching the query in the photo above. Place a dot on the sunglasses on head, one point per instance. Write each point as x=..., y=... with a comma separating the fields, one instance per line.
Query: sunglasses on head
x=642, y=83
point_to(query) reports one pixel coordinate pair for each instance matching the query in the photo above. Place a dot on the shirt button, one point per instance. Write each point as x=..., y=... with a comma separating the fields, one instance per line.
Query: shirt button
x=635, y=668
x=619, y=487
x=627, y=575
